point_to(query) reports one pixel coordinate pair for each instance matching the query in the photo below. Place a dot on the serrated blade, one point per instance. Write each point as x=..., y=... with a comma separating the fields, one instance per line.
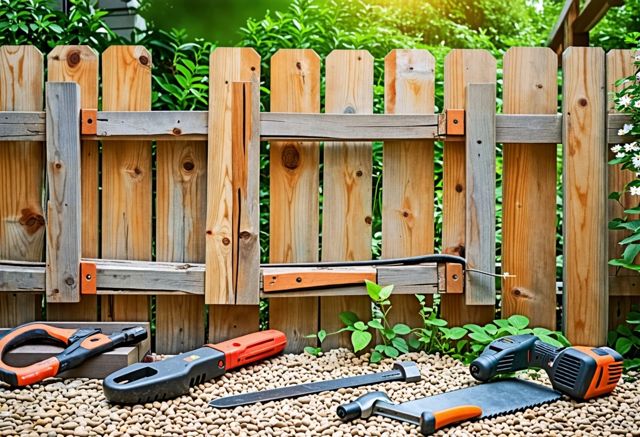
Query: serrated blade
x=494, y=398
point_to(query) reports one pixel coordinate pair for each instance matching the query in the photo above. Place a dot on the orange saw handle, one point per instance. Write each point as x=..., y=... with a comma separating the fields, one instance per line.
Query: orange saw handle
x=431, y=421
x=252, y=347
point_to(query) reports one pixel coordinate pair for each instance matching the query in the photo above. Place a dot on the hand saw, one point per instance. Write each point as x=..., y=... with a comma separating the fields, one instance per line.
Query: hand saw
x=435, y=412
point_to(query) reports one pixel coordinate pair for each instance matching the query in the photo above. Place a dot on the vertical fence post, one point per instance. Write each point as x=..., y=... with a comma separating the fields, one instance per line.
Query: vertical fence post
x=346, y=216
x=294, y=192
x=22, y=224
x=529, y=191
x=126, y=175
x=585, y=194
x=79, y=64
x=461, y=68
x=480, y=226
x=64, y=234
x=408, y=182
x=621, y=281
x=228, y=316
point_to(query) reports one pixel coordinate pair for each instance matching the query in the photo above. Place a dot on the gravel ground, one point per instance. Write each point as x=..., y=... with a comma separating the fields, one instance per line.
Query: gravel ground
x=78, y=407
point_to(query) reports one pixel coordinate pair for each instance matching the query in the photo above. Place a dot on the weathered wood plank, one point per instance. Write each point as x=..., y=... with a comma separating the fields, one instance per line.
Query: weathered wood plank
x=17, y=277
x=115, y=275
x=79, y=64
x=461, y=68
x=620, y=64
x=585, y=215
x=158, y=125
x=529, y=215
x=97, y=367
x=346, y=219
x=408, y=182
x=480, y=234
x=22, y=126
x=22, y=224
x=294, y=191
x=64, y=220
x=246, y=191
x=180, y=225
x=227, y=65
x=126, y=174
x=615, y=123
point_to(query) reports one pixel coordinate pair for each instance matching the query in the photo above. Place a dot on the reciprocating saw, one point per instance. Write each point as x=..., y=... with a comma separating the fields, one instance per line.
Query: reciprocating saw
x=580, y=372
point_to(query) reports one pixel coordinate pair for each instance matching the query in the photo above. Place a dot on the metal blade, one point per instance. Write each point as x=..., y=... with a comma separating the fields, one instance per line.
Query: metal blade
x=402, y=371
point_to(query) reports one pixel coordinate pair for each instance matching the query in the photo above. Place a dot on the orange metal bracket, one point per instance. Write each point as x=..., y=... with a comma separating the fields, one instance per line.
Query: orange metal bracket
x=455, y=121
x=89, y=121
x=300, y=278
x=88, y=278
x=454, y=278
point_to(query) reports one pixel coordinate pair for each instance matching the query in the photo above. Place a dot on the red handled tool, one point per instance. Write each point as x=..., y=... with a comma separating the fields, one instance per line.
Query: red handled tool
x=148, y=382
x=81, y=344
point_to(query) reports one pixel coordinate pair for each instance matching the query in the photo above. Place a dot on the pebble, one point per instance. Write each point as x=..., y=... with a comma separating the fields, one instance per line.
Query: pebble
x=78, y=407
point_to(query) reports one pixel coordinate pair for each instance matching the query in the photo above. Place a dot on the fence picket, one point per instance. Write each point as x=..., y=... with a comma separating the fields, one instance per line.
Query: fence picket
x=294, y=201
x=80, y=64
x=529, y=191
x=408, y=182
x=22, y=223
x=346, y=216
x=126, y=175
x=461, y=67
x=619, y=65
x=585, y=182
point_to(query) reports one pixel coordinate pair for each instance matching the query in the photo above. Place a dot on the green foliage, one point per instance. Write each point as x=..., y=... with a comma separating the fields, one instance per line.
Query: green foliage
x=626, y=339
x=434, y=336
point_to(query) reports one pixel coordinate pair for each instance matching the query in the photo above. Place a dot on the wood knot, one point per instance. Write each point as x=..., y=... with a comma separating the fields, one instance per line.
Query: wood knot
x=209, y=232
x=74, y=58
x=349, y=110
x=31, y=220
x=144, y=60
x=137, y=171
x=226, y=241
x=368, y=220
x=521, y=293
x=299, y=65
x=290, y=157
x=455, y=250
x=458, y=188
x=69, y=281
x=405, y=214
x=58, y=165
x=539, y=86
x=188, y=165
x=176, y=131
x=359, y=173
x=245, y=235
x=583, y=102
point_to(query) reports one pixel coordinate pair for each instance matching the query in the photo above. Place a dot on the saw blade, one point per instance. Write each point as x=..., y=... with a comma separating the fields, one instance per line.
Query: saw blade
x=494, y=398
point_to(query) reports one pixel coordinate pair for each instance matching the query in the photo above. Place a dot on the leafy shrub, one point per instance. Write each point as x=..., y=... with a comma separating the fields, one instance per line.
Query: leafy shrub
x=626, y=339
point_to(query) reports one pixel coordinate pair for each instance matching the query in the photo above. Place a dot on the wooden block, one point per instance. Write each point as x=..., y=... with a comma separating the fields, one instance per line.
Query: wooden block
x=408, y=182
x=299, y=278
x=88, y=278
x=89, y=122
x=63, y=174
x=529, y=215
x=293, y=188
x=584, y=216
x=227, y=65
x=97, y=367
x=480, y=234
x=454, y=278
x=22, y=223
x=455, y=122
x=79, y=64
x=346, y=219
x=461, y=68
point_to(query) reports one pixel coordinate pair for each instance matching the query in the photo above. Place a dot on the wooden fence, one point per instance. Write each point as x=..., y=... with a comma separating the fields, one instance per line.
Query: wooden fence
x=119, y=222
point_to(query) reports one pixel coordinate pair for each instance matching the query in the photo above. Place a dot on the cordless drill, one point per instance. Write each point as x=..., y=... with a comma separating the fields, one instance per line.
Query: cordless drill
x=580, y=372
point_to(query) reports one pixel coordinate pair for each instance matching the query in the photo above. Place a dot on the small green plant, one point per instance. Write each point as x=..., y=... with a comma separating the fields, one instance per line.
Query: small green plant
x=434, y=336
x=626, y=339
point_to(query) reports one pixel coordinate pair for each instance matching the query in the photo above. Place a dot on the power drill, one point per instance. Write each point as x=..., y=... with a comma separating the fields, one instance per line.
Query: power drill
x=580, y=372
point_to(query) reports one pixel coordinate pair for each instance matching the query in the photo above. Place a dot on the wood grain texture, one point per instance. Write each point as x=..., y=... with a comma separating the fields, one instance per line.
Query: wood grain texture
x=480, y=236
x=619, y=65
x=181, y=177
x=126, y=174
x=227, y=65
x=529, y=191
x=346, y=216
x=461, y=68
x=293, y=188
x=585, y=182
x=22, y=223
x=64, y=222
x=301, y=278
x=79, y=64
x=22, y=126
x=408, y=182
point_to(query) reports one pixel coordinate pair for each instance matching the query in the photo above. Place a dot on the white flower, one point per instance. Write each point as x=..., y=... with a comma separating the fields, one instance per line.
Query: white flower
x=636, y=161
x=624, y=101
x=636, y=104
x=622, y=155
x=616, y=148
x=638, y=77
x=635, y=191
x=637, y=57
x=625, y=129
x=631, y=147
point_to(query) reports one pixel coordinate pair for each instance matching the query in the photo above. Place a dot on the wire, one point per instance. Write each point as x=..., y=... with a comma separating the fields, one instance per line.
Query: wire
x=433, y=258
